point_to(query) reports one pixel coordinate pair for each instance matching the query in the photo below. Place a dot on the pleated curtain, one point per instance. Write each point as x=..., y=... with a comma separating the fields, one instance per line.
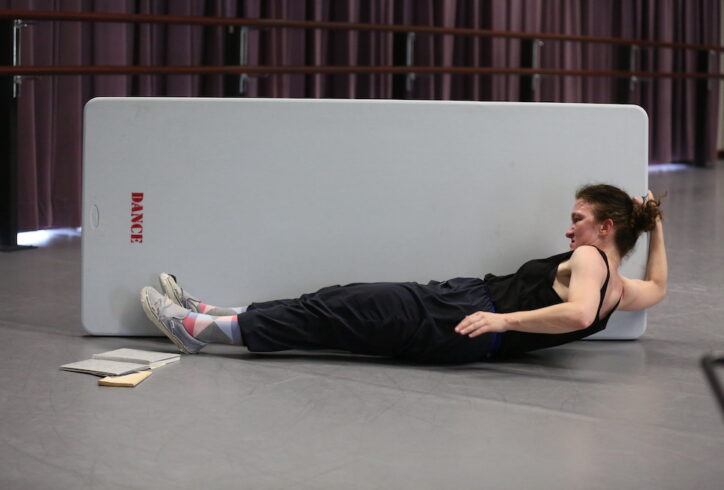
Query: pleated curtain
x=50, y=108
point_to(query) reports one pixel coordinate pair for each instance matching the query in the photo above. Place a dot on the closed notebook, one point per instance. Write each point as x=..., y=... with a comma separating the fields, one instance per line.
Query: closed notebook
x=148, y=358
x=129, y=380
x=103, y=367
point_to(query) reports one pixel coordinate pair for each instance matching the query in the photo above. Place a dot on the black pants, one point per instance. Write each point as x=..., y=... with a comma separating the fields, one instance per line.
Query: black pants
x=404, y=320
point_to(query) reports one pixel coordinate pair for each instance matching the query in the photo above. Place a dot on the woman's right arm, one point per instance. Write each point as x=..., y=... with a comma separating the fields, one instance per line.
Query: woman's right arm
x=640, y=294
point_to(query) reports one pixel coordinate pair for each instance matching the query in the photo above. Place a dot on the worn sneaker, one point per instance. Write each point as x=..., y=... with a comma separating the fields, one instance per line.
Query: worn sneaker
x=177, y=294
x=168, y=316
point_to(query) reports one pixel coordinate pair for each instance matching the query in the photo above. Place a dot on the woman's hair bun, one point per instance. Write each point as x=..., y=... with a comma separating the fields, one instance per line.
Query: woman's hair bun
x=644, y=215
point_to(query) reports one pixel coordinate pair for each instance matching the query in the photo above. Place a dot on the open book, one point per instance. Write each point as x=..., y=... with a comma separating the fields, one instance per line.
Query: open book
x=121, y=361
x=151, y=359
x=103, y=367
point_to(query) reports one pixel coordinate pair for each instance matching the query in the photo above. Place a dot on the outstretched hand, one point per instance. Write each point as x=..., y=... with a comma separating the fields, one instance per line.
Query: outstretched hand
x=638, y=200
x=481, y=322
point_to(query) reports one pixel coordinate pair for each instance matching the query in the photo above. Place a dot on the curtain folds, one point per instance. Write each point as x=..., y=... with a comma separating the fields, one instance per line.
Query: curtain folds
x=50, y=108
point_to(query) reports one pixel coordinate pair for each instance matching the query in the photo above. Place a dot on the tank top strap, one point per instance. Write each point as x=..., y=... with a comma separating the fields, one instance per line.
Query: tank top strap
x=605, y=284
x=615, y=306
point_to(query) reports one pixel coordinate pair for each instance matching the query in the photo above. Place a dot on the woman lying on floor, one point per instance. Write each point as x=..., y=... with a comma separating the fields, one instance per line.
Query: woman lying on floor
x=547, y=302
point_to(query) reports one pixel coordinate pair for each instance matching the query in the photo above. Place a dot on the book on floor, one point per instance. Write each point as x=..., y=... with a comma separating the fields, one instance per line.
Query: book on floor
x=104, y=367
x=129, y=380
x=149, y=358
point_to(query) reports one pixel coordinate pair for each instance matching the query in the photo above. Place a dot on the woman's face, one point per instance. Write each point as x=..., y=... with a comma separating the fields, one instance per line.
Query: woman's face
x=584, y=227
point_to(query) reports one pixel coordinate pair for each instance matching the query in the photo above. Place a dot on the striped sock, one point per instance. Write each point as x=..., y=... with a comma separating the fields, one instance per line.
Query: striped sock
x=213, y=329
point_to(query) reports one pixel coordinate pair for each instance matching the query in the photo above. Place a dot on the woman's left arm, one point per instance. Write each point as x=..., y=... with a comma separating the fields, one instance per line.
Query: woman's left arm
x=639, y=294
x=588, y=273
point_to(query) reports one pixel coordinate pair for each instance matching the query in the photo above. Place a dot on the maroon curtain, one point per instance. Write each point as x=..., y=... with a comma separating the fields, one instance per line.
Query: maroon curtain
x=50, y=108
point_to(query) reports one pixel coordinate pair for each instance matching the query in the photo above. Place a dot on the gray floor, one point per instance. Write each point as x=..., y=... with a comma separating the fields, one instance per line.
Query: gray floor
x=594, y=415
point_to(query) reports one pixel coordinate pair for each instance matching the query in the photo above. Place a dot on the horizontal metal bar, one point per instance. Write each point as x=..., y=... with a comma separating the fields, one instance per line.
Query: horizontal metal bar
x=333, y=70
x=298, y=24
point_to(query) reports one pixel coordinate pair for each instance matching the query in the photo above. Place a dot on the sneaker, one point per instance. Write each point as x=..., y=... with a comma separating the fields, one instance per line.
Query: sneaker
x=168, y=316
x=178, y=295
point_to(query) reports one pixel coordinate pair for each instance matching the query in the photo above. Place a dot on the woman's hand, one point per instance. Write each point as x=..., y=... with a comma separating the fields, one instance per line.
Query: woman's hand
x=649, y=196
x=482, y=322
x=638, y=200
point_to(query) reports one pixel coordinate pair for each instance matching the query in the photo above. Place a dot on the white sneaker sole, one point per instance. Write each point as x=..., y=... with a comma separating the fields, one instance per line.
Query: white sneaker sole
x=171, y=288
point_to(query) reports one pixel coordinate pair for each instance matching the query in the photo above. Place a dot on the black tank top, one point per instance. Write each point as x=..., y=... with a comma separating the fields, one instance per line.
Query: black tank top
x=531, y=288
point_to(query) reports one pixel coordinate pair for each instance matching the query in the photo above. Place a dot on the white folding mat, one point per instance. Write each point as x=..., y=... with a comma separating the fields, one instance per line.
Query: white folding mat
x=255, y=199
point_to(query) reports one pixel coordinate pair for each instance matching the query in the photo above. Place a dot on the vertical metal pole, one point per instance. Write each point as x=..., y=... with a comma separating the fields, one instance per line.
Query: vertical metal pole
x=626, y=61
x=243, y=57
x=136, y=58
x=399, y=58
x=529, y=58
x=231, y=57
x=8, y=138
x=409, y=60
x=703, y=93
x=17, y=79
x=632, y=81
x=236, y=48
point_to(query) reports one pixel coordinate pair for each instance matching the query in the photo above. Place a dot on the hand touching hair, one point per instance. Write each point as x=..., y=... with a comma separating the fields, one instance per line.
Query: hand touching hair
x=646, y=212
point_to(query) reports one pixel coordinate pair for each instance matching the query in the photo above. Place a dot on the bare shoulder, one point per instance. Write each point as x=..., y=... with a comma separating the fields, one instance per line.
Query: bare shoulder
x=589, y=257
x=587, y=265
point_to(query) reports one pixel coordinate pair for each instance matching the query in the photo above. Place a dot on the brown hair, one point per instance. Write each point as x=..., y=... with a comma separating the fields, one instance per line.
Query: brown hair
x=630, y=218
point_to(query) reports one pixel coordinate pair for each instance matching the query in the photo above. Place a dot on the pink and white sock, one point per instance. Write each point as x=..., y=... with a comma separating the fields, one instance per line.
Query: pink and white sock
x=213, y=329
